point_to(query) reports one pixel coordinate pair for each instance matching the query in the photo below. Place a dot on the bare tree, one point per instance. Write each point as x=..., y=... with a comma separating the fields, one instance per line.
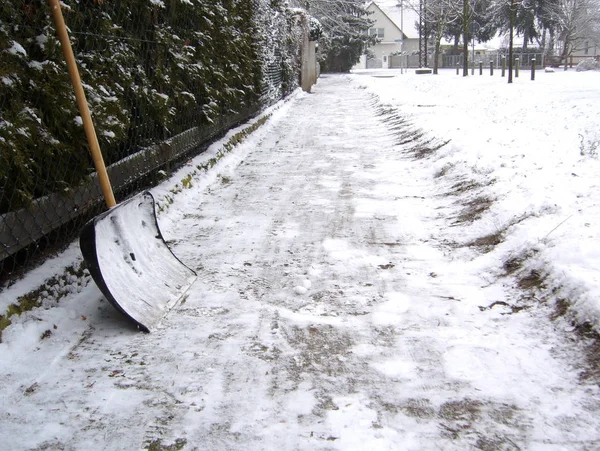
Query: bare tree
x=576, y=21
x=466, y=20
x=512, y=14
x=440, y=14
x=437, y=15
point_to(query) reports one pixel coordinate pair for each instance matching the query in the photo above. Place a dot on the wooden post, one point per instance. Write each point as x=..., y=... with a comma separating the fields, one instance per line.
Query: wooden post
x=491, y=68
x=517, y=68
x=503, y=66
x=480, y=67
x=88, y=125
x=533, y=69
x=312, y=62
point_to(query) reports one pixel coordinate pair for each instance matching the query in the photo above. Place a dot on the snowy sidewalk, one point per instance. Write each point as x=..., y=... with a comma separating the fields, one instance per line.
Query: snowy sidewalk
x=328, y=314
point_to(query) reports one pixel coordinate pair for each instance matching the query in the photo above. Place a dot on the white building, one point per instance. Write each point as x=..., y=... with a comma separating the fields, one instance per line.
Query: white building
x=396, y=29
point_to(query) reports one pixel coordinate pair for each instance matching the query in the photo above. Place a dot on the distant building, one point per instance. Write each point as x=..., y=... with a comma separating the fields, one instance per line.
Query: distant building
x=396, y=30
x=586, y=48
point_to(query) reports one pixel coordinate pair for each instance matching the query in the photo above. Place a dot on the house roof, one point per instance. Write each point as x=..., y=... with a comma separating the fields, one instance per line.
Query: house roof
x=405, y=18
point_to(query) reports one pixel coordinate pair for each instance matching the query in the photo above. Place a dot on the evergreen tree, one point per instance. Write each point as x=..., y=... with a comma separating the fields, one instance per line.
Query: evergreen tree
x=151, y=69
x=345, y=32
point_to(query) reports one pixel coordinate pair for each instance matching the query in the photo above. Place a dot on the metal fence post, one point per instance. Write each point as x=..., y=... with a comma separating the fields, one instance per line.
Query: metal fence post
x=517, y=67
x=480, y=67
x=457, y=68
x=503, y=66
x=491, y=68
x=533, y=69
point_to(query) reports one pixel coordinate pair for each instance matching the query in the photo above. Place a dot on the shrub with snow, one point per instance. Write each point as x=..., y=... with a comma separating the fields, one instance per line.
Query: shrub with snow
x=151, y=70
x=588, y=64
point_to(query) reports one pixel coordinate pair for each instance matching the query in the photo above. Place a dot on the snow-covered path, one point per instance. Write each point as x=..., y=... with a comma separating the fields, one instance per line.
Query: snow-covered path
x=329, y=313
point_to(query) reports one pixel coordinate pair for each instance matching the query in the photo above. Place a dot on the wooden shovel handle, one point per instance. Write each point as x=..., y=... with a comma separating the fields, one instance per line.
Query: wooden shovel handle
x=88, y=125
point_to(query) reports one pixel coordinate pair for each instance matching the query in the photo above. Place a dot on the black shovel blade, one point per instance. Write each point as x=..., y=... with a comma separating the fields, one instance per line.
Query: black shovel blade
x=131, y=263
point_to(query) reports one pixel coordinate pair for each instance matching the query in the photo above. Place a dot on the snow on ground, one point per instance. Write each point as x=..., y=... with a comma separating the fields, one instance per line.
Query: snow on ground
x=534, y=148
x=359, y=287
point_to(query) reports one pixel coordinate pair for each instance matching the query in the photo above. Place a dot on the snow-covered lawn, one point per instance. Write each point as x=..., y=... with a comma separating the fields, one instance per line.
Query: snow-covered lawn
x=361, y=285
x=533, y=150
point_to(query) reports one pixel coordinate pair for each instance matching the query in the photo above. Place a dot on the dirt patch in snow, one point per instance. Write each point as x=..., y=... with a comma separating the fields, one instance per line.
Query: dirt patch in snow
x=585, y=334
x=533, y=280
x=474, y=209
x=322, y=350
x=465, y=417
x=444, y=171
x=516, y=262
x=591, y=340
x=422, y=145
x=487, y=243
x=482, y=422
x=157, y=445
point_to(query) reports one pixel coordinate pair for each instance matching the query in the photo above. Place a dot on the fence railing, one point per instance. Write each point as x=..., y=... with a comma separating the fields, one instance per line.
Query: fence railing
x=525, y=59
x=574, y=60
x=399, y=61
x=452, y=61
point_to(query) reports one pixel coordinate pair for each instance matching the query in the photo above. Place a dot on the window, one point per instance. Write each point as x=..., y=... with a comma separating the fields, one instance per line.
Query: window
x=376, y=32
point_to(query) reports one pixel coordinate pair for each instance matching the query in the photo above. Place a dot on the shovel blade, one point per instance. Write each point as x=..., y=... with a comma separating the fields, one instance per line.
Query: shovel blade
x=131, y=263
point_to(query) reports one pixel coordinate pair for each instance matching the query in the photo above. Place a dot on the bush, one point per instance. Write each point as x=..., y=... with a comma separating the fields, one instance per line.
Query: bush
x=588, y=64
x=151, y=69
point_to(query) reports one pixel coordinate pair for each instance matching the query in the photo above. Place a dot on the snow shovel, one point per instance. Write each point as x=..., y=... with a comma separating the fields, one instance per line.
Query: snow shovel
x=125, y=252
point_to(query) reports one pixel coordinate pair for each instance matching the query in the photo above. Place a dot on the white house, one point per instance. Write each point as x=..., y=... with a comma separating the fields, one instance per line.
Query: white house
x=396, y=29
x=587, y=48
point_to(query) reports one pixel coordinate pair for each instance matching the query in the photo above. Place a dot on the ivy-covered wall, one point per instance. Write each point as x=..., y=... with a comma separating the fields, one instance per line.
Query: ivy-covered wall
x=151, y=69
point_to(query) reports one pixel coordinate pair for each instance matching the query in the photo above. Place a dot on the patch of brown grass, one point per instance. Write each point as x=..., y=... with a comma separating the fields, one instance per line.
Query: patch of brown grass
x=534, y=280
x=474, y=209
x=444, y=171
x=588, y=335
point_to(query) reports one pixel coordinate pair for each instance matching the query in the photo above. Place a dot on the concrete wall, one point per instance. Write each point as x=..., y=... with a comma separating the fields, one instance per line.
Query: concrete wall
x=308, y=71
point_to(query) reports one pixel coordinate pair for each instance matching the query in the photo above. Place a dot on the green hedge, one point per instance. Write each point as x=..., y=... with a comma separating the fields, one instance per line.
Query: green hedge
x=151, y=69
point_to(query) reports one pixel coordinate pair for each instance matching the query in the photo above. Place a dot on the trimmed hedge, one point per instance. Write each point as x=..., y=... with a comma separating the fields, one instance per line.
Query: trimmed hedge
x=151, y=69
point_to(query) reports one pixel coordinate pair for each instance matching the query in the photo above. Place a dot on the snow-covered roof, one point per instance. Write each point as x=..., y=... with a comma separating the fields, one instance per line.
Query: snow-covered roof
x=405, y=18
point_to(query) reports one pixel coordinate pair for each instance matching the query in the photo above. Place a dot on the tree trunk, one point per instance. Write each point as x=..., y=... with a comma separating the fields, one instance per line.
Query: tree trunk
x=512, y=15
x=565, y=53
x=465, y=38
x=543, y=43
x=438, y=39
x=425, y=34
x=552, y=42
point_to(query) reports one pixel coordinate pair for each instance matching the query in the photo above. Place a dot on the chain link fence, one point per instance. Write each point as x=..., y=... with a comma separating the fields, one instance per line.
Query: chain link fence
x=162, y=78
